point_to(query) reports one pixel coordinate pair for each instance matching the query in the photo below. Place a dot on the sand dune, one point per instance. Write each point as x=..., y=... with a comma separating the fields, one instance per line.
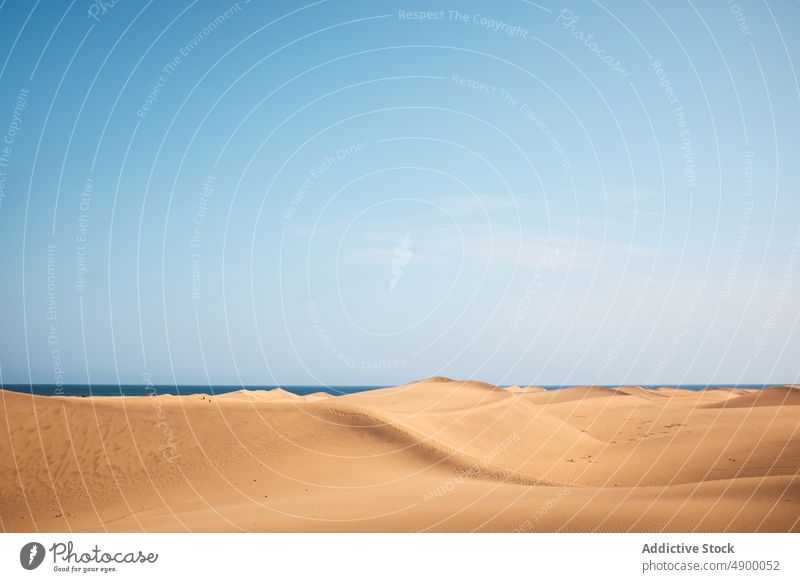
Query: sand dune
x=525, y=389
x=432, y=455
x=277, y=394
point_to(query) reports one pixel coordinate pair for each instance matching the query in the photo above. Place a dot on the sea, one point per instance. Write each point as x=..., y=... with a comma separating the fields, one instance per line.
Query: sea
x=187, y=389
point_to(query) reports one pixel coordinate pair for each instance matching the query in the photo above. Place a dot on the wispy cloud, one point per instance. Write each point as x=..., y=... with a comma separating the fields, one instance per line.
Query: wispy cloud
x=482, y=203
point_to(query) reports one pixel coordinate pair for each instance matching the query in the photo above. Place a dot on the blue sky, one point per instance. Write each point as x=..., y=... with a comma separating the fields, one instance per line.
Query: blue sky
x=371, y=192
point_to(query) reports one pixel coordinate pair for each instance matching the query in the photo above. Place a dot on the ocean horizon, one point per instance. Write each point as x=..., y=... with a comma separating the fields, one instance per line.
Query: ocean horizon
x=300, y=390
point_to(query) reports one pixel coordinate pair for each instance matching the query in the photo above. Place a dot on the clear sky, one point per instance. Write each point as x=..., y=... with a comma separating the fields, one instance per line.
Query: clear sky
x=346, y=192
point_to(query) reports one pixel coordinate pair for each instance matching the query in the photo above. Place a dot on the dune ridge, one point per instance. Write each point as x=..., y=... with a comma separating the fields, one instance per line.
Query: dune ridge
x=432, y=455
x=772, y=396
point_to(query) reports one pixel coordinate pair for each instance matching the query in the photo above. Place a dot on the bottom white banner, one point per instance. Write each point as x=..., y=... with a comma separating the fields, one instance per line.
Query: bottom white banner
x=355, y=557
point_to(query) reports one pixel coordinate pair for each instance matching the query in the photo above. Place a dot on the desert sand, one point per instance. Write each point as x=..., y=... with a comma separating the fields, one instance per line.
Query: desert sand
x=435, y=455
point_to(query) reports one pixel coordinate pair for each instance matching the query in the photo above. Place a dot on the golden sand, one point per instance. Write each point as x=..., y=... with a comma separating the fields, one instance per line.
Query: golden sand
x=436, y=455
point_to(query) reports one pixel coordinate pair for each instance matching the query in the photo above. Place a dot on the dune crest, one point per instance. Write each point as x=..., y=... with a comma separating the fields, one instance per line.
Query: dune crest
x=431, y=455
